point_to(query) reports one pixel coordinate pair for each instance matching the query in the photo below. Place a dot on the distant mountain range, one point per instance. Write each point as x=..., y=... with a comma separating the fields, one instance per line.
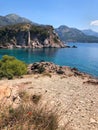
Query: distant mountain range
x=90, y=32
x=68, y=34
x=11, y=19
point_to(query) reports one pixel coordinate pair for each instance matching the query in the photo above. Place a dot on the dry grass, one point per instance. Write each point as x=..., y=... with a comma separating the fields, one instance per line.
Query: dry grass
x=47, y=74
x=23, y=95
x=29, y=118
x=35, y=98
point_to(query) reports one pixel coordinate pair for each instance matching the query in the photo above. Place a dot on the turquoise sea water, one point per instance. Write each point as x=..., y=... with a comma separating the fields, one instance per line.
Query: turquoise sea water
x=85, y=57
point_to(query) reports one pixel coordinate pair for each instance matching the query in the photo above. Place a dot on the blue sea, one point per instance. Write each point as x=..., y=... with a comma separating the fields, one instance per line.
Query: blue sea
x=84, y=57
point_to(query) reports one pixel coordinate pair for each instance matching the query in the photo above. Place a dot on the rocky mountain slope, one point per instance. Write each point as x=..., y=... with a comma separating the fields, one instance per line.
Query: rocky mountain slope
x=90, y=32
x=11, y=19
x=28, y=35
x=67, y=34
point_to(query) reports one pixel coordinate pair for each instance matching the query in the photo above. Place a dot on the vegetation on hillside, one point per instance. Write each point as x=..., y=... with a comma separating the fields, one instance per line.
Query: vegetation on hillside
x=10, y=67
x=42, y=32
x=15, y=32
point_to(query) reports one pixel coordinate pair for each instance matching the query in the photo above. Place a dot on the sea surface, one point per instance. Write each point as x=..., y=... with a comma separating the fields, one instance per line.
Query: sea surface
x=84, y=57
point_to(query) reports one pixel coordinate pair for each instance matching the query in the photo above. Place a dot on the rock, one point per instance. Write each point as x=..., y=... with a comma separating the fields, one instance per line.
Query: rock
x=46, y=42
x=68, y=47
x=74, y=46
x=74, y=69
x=47, y=66
x=17, y=46
x=92, y=120
x=16, y=99
x=5, y=91
x=60, y=71
x=93, y=82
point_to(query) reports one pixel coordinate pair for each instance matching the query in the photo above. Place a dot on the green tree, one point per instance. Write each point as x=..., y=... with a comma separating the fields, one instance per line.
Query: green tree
x=10, y=67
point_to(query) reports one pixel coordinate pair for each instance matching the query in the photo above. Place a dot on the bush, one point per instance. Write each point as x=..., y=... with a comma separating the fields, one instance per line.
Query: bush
x=10, y=67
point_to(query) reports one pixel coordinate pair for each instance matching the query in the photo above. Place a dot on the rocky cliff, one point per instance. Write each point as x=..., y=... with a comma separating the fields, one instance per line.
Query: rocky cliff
x=27, y=35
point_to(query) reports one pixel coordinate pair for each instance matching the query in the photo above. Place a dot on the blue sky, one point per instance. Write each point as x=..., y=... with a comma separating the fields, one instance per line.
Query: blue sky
x=82, y=14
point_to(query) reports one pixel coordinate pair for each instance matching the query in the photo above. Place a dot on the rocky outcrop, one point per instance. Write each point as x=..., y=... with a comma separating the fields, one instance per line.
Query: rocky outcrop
x=29, y=36
x=48, y=67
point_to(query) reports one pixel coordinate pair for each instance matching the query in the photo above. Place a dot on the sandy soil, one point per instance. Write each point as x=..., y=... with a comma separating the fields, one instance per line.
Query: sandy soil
x=76, y=100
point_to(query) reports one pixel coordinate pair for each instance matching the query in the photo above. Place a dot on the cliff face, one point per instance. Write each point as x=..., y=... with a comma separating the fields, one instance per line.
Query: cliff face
x=27, y=35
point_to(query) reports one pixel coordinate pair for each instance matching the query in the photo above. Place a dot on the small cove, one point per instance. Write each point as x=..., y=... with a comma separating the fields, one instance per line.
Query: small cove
x=84, y=57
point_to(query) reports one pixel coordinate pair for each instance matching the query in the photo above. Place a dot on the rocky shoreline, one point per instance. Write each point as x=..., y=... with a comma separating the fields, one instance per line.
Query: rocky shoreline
x=49, y=67
x=37, y=46
x=28, y=47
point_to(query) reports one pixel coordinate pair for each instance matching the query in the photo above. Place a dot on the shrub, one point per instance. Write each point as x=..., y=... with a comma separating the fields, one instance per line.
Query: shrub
x=55, y=39
x=10, y=67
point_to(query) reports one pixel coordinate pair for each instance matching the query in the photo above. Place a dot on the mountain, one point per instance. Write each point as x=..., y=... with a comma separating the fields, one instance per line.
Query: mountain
x=11, y=19
x=90, y=32
x=67, y=34
x=28, y=35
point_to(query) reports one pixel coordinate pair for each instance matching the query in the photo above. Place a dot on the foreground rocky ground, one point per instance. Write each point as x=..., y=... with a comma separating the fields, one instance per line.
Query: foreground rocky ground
x=72, y=93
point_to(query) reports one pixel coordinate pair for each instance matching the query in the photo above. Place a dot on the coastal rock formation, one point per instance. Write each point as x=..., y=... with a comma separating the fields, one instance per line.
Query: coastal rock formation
x=29, y=36
x=49, y=67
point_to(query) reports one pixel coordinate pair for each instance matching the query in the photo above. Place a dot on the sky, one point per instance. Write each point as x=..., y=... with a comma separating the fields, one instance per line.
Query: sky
x=81, y=14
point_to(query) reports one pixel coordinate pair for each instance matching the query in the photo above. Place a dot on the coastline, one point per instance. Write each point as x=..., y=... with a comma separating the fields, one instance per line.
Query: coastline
x=62, y=56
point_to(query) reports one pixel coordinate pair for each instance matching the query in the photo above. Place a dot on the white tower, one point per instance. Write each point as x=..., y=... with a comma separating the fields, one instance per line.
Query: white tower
x=29, y=44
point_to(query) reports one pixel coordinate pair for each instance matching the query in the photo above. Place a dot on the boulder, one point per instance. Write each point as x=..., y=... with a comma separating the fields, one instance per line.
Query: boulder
x=74, y=46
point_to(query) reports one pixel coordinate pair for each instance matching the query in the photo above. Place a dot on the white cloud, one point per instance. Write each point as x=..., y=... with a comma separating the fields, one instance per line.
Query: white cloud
x=95, y=23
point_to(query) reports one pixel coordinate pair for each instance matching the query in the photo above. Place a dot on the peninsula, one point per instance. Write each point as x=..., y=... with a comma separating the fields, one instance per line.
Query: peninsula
x=26, y=35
